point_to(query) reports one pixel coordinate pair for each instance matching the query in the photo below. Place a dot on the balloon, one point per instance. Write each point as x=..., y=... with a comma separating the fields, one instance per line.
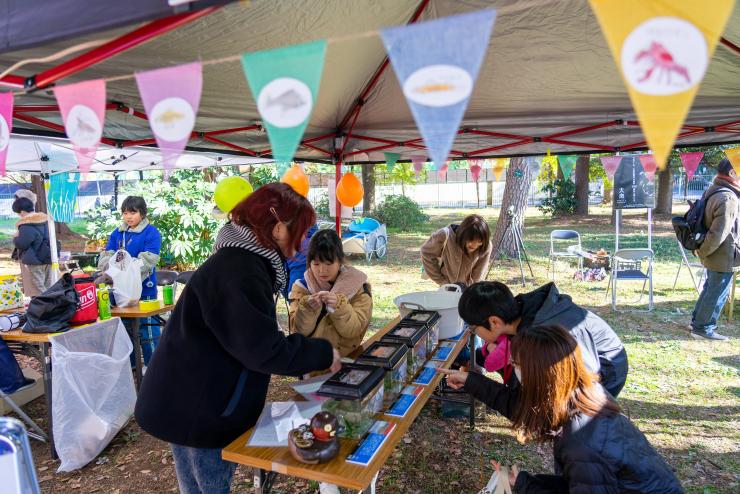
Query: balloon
x=349, y=190
x=230, y=191
x=296, y=179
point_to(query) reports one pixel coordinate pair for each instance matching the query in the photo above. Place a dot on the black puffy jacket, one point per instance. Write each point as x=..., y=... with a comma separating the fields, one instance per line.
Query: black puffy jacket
x=593, y=455
x=32, y=240
x=602, y=349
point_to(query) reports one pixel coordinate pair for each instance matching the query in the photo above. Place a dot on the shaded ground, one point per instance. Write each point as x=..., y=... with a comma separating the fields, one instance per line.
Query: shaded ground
x=683, y=394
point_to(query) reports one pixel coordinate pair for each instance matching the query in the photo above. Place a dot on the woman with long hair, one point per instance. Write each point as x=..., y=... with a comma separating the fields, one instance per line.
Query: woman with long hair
x=597, y=449
x=458, y=253
x=207, y=381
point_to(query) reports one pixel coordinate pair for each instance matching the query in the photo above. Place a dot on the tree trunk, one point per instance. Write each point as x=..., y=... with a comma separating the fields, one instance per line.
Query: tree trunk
x=664, y=204
x=368, y=185
x=516, y=194
x=582, y=184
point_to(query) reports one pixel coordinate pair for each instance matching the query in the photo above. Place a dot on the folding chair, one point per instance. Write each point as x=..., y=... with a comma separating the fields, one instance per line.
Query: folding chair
x=39, y=433
x=166, y=277
x=573, y=251
x=690, y=266
x=19, y=472
x=627, y=265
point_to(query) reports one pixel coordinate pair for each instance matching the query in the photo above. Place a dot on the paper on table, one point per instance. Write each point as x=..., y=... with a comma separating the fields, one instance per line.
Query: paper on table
x=308, y=387
x=278, y=419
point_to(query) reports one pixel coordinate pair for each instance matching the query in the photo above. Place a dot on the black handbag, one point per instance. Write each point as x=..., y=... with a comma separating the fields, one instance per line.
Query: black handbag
x=51, y=311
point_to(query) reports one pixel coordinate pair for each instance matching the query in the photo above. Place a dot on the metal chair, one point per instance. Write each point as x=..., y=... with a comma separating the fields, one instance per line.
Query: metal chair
x=184, y=277
x=627, y=265
x=701, y=273
x=38, y=433
x=573, y=251
x=19, y=472
x=165, y=277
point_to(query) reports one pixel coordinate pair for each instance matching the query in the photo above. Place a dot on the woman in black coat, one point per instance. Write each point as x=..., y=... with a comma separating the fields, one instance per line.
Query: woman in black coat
x=597, y=449
x=207, y=381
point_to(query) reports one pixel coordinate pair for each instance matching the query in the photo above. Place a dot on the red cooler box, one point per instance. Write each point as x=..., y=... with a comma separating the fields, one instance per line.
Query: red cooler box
x=87, y=310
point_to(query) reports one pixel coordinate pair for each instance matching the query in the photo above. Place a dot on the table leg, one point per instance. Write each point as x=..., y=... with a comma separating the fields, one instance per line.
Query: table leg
x=473, y=368
x=136, y=339
x=263, y=480
x=370, y=489
x=46, y=366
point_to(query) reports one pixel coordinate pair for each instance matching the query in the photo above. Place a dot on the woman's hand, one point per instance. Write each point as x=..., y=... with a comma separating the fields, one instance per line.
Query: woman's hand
x=315, y=300
x=490, y=347
x=330, y=299
x=336, y=365
x=455, y=378
x=513, y=471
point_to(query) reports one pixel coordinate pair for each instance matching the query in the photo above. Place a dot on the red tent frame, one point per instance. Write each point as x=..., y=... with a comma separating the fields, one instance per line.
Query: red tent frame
x=337, y=153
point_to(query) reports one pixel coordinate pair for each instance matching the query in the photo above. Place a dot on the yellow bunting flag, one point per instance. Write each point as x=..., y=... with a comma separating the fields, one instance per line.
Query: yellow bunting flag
x=662, y=50
x=733, y=154
x=498, y=167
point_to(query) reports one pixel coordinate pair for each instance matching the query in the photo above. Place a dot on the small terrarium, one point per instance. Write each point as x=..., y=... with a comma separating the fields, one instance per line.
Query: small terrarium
x=414, y=337
x=430, y=319
x=392, y=358
x=356, y=393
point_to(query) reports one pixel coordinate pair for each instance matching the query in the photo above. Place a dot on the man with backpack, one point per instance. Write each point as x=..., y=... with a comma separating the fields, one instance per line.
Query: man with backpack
x=719, y=252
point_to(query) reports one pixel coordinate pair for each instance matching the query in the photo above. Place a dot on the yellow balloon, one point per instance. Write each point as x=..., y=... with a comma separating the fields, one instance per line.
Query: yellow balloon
x=230, y=191
x=296, y=179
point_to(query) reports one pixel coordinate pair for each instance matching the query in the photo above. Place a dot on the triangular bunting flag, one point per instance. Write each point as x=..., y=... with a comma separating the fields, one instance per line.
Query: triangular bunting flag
x=552, y=162
x=437, y=63
x=691, y=162
x=63, y=196
x=733, y=154
x=498, y=167
x=475, y=169
x=649, y=165
x=611, y=163
x=283, y=167
x=566, y=164
x=6, y=126
x=442, y=172
x=418, y=162
x=285, y=83
x=662, y=50
x=82, y=106
x=391, y=159
x=171, y=97
x=534, y=165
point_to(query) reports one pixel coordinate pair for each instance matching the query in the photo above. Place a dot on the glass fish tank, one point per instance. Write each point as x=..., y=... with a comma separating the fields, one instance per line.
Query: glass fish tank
x=356, y=395
x=429, y=318
x=392, y=357
x=416, y=339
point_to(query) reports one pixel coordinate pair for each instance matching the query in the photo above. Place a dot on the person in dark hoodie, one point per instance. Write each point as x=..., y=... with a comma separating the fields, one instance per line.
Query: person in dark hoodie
x=207, y=381
x=597, y=450
x=33, y=249
x=492, y=310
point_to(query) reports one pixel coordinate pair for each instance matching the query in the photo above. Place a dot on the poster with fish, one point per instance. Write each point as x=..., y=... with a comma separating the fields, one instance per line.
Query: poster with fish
x=662, y=50
x=171, y=98
x=82, y=106
x=6, y=125
x=285, y=83
x=437, y=64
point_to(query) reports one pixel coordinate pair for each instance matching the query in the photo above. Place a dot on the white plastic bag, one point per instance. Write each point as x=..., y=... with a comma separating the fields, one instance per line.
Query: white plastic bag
x=93, y=392
x=125, y=271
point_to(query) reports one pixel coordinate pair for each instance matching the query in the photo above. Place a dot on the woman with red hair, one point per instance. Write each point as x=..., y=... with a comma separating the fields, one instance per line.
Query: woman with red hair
x=597, y=449
x=207, y=381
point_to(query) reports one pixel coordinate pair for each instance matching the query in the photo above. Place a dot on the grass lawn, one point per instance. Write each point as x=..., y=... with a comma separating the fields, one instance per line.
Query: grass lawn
x=683, y=394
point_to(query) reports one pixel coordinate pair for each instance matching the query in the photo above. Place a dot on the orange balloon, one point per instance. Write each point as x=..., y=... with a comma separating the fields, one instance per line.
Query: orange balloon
x=349, y=190
x=296, y=179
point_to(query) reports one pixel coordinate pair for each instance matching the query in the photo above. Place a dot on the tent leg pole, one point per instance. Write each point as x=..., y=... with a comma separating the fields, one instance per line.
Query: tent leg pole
x=52, y=234
x=338, y=205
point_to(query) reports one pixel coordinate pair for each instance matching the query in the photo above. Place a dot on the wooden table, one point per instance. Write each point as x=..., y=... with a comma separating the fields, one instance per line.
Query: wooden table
x=271, y=460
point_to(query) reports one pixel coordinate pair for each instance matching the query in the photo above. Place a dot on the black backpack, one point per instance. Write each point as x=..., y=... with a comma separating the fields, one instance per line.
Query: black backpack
x=690, y=228
x=51, y=311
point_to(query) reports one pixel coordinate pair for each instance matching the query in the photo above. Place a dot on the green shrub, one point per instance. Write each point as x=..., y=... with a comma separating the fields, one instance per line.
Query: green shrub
x=400, y=212
x=322, y=207
x=561, y=200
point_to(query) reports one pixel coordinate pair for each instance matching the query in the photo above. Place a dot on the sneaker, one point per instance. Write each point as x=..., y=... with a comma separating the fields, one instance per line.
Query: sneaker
x=715, y=336
x=325, y=488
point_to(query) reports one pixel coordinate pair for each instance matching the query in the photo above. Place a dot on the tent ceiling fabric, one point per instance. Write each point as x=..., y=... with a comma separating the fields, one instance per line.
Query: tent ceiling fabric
x=548, y=69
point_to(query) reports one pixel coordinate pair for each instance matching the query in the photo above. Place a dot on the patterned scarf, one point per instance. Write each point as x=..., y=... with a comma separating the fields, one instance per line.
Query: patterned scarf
x=232, y=235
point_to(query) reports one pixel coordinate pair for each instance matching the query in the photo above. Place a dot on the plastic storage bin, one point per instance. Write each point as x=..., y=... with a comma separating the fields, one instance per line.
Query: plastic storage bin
x=429, y=318
x=391, y=357
x=357, y=395
x=414, y=337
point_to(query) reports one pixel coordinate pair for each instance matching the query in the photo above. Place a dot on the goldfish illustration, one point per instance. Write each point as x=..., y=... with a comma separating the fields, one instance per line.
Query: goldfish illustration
x=169, y=117
x=289, y=100
x=84, y=127
x=434, y=88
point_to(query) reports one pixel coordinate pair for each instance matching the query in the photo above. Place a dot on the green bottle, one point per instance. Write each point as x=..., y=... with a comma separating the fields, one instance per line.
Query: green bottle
x=103, y=302
x=168, y=295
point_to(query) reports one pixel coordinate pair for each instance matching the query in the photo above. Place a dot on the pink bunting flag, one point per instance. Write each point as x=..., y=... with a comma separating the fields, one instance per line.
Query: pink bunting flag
x=691, y=162
x=475, y=169
x=6, y=125
x=649, y=165
x=82, y=106
x=442, y=172
x=611, y=163
x=418, y=162
x=171, y=98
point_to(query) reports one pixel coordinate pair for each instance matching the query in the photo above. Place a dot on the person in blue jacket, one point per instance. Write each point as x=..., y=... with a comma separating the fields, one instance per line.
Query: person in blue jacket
x=141, y=240
x=296, y=265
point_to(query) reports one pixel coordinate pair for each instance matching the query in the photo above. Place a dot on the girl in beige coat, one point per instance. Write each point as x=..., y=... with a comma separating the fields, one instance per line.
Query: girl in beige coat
x=333, y=301
x=458, y=253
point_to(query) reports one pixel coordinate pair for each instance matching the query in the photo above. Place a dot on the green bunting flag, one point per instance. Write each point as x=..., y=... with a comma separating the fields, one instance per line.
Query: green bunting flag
x=285, y=84
x=566, y=164
x=390, y=160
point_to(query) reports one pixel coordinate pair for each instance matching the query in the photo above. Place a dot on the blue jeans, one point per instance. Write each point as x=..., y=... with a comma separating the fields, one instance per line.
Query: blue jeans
x=148, y=336
x=201, y=470
x=711, y=301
